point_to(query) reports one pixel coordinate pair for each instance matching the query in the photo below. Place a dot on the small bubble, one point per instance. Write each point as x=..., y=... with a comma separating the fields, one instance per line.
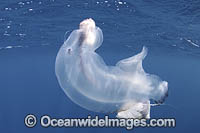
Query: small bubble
x=21, y=3
x=6, y=33
x=8, y=47
x=21, y=34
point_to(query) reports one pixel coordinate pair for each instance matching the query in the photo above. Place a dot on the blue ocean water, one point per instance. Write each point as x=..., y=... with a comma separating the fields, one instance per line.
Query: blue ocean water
x=31, y=33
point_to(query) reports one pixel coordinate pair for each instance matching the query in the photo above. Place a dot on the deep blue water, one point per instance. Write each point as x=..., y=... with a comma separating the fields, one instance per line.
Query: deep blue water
x=31, y=33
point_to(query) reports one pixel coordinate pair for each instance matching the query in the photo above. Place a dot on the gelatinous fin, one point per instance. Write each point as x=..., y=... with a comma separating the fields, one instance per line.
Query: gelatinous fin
x=133, y=63
x=135, y=110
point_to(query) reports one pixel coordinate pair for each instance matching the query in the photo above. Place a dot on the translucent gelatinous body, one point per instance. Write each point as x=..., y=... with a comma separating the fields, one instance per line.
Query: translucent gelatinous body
x=93, y=85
